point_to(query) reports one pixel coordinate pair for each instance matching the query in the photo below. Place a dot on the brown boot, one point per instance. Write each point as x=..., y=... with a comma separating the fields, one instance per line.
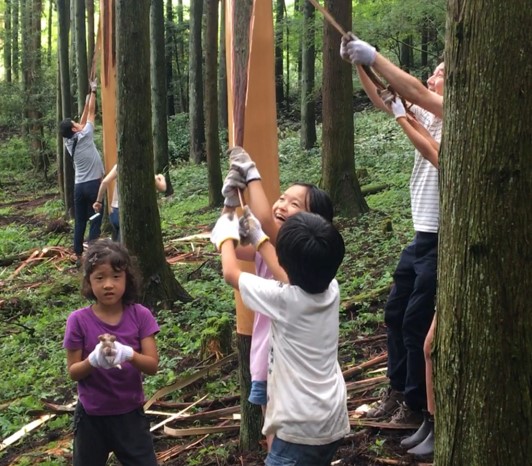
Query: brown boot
x=387, y=405
x=405, y=415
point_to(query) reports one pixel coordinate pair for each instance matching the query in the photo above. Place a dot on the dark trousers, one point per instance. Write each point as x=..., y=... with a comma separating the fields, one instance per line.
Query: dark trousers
x=408, y=315
x=127, y=436
x=114, y=219
x=294, y=454
x=85, y=194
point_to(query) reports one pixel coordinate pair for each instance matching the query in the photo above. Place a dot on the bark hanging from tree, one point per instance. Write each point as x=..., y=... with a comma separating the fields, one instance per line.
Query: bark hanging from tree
x=81, y=53
x=483, y=369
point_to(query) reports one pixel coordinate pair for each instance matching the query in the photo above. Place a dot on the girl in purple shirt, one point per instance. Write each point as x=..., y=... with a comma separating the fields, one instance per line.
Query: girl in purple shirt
x=109, y=416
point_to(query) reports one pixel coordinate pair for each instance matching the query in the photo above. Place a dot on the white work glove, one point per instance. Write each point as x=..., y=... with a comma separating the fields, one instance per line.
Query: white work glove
x=93, y=85
x=251, y=231
x=241, y=161
x=123, y=353
x=234, y=181
x=343, y=50
x=226, y=228
x=98, y=358
x=360, y=52
x=398, y=108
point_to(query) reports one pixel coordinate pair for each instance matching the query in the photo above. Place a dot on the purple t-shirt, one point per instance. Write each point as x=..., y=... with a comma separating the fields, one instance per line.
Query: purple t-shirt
x=113, y=391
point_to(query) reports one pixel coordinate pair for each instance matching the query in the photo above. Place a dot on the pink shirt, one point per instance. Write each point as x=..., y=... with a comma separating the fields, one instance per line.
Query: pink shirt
x=260, y=339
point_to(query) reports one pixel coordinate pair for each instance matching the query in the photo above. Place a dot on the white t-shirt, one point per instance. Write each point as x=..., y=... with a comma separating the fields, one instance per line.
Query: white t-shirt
x=307, y=398
x=424, y=192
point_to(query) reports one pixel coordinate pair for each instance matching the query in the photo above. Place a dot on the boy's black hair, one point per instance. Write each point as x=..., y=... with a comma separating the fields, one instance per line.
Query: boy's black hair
x=65, y=128
x=310, y=249
x=104, y=251
x=318, y=201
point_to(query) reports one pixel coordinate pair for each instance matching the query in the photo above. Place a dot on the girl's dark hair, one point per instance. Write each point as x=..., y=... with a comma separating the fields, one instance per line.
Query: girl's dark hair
x=106, y=251
x=318, y=201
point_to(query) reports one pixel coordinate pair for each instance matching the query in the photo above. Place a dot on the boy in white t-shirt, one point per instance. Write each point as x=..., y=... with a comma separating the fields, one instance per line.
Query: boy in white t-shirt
x=307, y=400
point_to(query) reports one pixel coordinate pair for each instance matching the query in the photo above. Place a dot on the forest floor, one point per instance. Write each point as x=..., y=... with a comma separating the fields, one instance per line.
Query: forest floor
x=366, y=445
x=39, y=286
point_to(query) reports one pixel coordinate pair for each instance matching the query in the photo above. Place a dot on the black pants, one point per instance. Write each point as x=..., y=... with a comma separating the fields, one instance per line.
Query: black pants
x=408, y=315
x=127, y=436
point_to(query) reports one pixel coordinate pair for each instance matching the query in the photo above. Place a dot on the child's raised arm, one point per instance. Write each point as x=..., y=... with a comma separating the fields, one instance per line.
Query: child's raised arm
x=226, y=228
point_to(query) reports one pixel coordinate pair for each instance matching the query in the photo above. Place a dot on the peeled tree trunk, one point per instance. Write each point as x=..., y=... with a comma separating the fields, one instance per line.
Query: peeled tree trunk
x=483, y=364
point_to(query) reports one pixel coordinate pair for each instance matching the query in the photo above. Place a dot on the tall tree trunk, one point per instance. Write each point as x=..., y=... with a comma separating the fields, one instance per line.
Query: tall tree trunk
x=7, y=41
x=60, y=147
x=222, y=74
x=180, y=57
x=49, y=33
x=299, y=54
x=483, y=368
x=308, y=106
x=406, y=57
x=251, y=416
x=424, y=51
x=31, y=81
x=338, y=161
x=211, y=104
x=158, y=92
x=81, y=53
x=139, y=216
x=195, y=85
x=15, y=65
x=168, y=47
x=63, y=15
x=279, y=25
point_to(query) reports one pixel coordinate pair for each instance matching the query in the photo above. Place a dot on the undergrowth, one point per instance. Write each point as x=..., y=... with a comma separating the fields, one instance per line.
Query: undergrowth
x=35, y=304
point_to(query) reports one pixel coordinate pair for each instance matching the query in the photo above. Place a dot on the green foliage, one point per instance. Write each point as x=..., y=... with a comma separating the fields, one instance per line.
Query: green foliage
x=178, y=137
x=34, y=319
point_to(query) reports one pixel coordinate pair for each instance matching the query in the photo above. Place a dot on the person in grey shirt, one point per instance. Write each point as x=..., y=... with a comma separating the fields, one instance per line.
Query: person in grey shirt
x=88, y=166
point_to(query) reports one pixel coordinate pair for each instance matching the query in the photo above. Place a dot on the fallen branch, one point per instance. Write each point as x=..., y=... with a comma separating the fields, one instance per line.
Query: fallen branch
x=26, y=429
x=183, y=382
x=199, y=430
x=365, y=365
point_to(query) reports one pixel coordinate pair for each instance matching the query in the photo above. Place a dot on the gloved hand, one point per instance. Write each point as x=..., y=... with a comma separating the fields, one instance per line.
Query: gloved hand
x=226, y=228
x=241, y=161
x=250, y=230
x=343, y=50
x=234, y=181
x=93, y=85
x=97, y=358
x=398, y=108
x=123, y=353
x=360, y=52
